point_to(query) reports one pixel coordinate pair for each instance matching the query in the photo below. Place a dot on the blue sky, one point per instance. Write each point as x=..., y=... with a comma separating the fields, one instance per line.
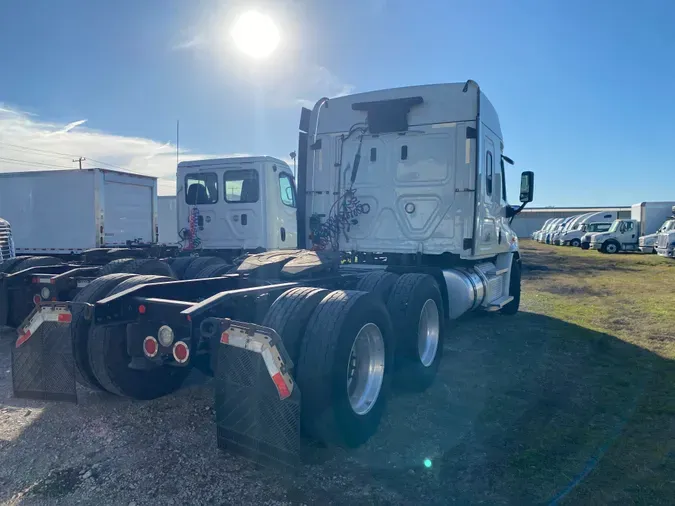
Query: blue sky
x=584, y=89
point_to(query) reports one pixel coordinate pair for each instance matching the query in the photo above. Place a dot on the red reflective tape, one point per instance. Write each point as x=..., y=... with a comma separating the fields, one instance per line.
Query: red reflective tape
x=23, y=338
x=65, y=318
x=278, y=379
x=225, y=338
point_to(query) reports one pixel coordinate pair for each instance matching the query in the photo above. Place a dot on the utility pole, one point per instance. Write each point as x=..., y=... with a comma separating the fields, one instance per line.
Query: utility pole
x=80, y=160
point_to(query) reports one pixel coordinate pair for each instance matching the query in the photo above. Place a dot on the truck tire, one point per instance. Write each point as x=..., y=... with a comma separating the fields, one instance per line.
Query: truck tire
x=180, y=264
x=7, y=266
x=29, y=262
x=416, y=309
x=115, y=266
x=198, y=264
x=148, y=266
x=20, y=301
x=80, y=326
x=109, y=359
x=575, y=243
x=290, y=313
x=514, y=288
x=138, y=279
x=332, y=409
x=378, y=282
x=213, y=271
x=610, y=247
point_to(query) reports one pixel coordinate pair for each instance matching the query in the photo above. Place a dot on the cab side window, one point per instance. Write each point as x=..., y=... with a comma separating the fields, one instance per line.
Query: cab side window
x=286, y=189
x=201, y=188
x=489, y=173
x=242, y=186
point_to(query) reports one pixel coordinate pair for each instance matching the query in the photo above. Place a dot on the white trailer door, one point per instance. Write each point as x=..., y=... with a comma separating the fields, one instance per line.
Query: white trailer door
x=127, y=209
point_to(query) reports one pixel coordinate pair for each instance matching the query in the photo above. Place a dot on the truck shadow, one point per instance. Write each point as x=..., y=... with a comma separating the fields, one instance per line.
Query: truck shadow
x=523, y=408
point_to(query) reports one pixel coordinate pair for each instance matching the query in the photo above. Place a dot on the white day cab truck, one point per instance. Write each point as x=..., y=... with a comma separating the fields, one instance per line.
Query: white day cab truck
x=402, y=225
x=624, y=234
x=665, y=240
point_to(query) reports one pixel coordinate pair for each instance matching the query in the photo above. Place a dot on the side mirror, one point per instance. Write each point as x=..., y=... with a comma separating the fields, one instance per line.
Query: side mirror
x=526, y=187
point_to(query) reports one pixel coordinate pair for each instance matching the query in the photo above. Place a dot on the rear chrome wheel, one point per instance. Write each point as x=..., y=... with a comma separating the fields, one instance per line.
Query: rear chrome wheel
x=365, y=370
x=428, y=333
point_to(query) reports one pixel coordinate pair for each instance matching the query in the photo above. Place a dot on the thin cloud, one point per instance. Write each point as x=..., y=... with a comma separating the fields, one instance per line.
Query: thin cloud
x=25, y=147
x=68, y=127
x=192, y=42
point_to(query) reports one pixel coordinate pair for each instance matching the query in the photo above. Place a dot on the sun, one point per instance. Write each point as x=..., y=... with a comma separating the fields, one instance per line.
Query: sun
x=255, y=34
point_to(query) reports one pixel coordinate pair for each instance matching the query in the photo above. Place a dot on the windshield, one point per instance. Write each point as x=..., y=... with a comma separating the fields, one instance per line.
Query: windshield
x=615, y=226
x=669, y=226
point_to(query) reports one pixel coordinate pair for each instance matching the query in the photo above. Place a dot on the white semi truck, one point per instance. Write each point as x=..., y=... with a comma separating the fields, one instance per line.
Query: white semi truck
x=665, y=240
x=624, y=234
x=7, y=250
x=571, y=223
x=535, y=234
x=403, y=225
x=586, y=223
x=648, y=243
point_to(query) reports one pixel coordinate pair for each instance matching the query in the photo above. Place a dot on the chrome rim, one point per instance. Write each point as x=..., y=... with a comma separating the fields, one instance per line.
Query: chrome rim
x=428, y=333
x=365, y=370
x=611, y=248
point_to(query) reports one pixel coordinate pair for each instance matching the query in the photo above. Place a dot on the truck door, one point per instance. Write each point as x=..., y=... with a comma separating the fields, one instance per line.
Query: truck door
x=243, y=225
x=490, y=234
x=286, y=228
x=628, y=232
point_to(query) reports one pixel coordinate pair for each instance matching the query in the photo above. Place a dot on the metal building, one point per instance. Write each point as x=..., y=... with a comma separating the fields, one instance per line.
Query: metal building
x=532, y=219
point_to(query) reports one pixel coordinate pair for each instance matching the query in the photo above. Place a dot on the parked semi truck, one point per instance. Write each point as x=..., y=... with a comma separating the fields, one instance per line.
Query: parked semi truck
x=7, y=250
x=648, y=243
x=535, y=234
x=665, y=240
x=596, y=222
x=65, y=265
x=624, y=234
x=402, y=225
x=571, y=222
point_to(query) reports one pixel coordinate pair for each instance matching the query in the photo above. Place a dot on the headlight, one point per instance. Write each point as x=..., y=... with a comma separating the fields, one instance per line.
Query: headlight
x=165, y=335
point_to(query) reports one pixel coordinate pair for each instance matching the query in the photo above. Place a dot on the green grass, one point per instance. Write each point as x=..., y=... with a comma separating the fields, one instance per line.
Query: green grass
x=629, y=301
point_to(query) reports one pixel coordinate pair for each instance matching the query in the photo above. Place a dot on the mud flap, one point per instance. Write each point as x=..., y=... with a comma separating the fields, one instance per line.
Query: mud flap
x=256, y=399
x=42, y=359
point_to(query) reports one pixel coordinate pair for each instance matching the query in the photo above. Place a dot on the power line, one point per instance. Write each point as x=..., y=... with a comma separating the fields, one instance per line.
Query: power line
x=30, y=163
x=26, y=148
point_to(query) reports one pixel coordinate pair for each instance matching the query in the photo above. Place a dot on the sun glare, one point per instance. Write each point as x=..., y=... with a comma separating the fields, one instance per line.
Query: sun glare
x=255, y=34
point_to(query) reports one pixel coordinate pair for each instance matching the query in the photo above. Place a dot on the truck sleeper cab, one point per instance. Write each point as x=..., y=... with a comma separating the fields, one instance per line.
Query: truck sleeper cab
x=404, y=224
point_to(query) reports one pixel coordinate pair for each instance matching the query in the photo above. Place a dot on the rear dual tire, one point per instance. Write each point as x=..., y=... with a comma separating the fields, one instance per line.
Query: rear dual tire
x=344, y=368
x=107, y=349
x=415, y=306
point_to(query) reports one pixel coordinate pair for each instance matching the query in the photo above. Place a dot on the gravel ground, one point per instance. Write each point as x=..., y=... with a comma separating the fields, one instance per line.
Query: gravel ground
x=492, y=426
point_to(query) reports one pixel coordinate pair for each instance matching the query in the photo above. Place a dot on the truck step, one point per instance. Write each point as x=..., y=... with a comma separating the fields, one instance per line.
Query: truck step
x=496, y=305
x=499, y=272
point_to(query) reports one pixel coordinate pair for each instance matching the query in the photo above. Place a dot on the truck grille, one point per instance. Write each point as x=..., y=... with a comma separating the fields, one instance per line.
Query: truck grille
x=662, y=241
x=6, y=246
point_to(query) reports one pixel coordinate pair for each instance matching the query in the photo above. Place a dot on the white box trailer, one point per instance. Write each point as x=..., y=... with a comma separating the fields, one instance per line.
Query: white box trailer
x=167, y=219
x=69, y=211
x=651, y=215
